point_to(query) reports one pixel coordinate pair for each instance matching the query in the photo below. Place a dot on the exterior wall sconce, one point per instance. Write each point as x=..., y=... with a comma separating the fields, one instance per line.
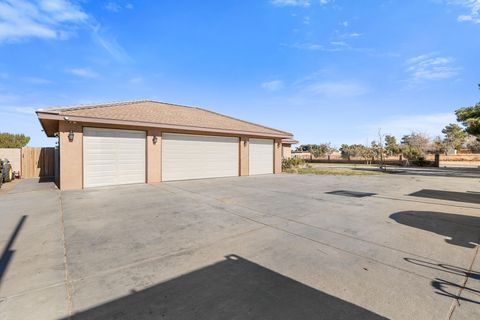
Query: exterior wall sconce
x=245, y=142
x=71, y=135
x=155, y=139
x=278, y=144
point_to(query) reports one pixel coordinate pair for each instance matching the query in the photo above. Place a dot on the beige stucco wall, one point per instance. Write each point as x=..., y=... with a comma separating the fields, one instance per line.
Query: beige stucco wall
x=154, y=156
x=287, y=151
x=14, y=156
x=71, y=153
x=71, y=156
x=243, y=156
x=277, y=158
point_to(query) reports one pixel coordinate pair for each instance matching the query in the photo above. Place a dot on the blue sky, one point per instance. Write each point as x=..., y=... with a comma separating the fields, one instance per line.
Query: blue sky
x=326, y=70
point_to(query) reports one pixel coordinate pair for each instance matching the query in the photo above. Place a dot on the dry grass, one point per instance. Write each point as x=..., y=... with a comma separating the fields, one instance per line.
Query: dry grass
x=333, y=164
x=336, y=171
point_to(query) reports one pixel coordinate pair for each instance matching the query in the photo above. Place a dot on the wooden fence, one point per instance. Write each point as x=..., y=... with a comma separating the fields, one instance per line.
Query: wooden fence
x=38, y=162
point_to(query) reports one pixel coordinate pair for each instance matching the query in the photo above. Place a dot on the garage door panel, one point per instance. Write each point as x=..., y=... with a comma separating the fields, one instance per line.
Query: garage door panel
x=113, y=157
x=260, y=159
x=195, y=157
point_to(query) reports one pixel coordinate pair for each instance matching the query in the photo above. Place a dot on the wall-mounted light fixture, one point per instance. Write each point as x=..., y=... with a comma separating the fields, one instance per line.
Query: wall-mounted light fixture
x=155, y=139
x=245, y=142
x=71, y=135
x=278, y=144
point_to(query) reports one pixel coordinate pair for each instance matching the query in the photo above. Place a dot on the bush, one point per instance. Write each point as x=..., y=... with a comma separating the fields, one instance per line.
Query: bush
x=421, y=162
x=291, y=163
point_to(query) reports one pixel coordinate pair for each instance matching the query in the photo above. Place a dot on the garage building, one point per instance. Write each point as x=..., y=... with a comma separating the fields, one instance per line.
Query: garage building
x=149, y=141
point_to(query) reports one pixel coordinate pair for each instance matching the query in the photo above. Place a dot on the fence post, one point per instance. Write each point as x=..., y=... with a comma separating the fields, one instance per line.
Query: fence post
x=437, y=160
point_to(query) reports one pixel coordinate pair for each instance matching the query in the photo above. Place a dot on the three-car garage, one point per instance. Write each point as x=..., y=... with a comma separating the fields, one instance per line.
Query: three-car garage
x=149, y=141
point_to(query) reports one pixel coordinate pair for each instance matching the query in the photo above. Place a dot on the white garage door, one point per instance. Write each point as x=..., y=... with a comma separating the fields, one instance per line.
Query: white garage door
x=112, y=157
x=260, y=156
x=196, y=157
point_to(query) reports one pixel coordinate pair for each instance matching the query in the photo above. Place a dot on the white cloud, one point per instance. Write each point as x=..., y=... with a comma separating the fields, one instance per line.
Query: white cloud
x=463, y=18
x=116, y=7
x=474, y=10
x=8, y=97
x=431, y=124
x=83, y=72
x=336, y=88
x=109, y=44
x=431, y=67
x=306, y=46
x=291, y=3
x=62, y=10
x=26, y=110
x=36, y=80
x=113, y=6
x=47, y=19
x=136, y=80
x=339, y=43
x=273, y=85
x=323, y=2
x=333, y=46
x=352, y=35
x=52, y=19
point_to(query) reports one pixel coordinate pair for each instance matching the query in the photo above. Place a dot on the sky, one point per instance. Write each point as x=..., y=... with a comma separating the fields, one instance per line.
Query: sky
x=326, y=70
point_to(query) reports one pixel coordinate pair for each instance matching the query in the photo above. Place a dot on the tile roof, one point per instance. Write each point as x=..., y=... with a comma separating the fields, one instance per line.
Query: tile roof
x=149, y=111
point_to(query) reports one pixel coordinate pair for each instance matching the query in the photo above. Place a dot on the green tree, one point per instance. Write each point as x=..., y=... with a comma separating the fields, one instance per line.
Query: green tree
x=349, y=151
x=411, y=153
x=13, y=140
x=454, y=136
x=470, y=118
x=346, y=151
x=391, y=146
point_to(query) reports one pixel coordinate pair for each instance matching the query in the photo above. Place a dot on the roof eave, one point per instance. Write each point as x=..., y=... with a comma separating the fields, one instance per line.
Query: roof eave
x=56, y=116
x=289, y=141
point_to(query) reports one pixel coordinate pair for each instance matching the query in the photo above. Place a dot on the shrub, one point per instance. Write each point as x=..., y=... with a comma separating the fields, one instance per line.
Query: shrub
x=291, y=163
x=421, y=162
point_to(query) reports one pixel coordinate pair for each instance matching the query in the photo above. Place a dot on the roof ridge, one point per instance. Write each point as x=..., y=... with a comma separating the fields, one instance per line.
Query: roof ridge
x=110, y=104
x=93, y=105
x=253, y=123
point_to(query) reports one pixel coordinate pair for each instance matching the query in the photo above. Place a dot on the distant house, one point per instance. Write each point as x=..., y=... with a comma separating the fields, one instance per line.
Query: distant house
x=150, y=141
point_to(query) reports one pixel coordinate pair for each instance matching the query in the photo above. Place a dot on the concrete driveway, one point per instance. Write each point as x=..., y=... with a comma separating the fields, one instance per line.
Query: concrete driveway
x=265, y=247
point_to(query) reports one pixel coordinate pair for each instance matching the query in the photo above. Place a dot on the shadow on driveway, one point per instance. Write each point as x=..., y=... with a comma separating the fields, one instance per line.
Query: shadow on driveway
x=460, y=229
x=447, y=288
x=7, y=253
x=234, y=288
x=469, y=197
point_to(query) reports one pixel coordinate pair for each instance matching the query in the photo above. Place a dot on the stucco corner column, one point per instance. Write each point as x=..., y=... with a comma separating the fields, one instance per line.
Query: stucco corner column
x=154, y=156
x=71, y=155
x=277, y=156
x=243, y=156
